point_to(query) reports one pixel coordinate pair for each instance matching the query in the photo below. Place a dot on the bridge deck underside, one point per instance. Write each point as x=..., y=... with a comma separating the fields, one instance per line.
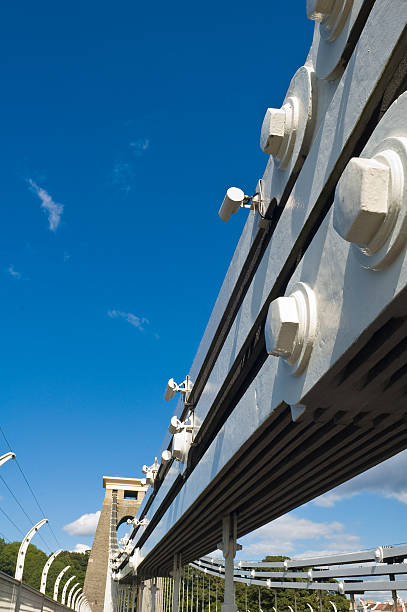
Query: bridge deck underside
x=356, y=417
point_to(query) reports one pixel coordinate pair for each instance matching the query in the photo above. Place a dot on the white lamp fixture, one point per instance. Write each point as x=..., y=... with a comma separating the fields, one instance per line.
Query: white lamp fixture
x=151, y=472
x=137, y=523
x=172, y=388
x=183, y=432
x=235, y=199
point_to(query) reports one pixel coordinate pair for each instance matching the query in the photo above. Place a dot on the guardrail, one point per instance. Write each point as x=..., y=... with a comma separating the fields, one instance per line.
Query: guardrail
x=18, y=597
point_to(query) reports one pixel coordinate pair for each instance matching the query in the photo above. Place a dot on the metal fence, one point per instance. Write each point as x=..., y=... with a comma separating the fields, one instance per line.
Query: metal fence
x=18, y=597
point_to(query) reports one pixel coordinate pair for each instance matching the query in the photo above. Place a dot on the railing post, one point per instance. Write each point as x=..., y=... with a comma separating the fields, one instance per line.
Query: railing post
x=18, y=597
x=229, y=547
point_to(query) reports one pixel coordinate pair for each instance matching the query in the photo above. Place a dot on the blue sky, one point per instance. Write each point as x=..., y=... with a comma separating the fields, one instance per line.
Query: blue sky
x=123, y=124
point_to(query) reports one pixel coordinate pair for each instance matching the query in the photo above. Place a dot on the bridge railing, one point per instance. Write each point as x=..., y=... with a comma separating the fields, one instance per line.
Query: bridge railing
x=18, y=597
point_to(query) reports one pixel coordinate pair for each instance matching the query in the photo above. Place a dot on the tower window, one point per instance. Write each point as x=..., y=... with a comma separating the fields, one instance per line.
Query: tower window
x=130, y=495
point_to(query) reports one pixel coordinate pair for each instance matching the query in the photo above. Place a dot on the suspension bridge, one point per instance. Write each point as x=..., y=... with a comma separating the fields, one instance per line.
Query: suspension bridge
x=302, y=368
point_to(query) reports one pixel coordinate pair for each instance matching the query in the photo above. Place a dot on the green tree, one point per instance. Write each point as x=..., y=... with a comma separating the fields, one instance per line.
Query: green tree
x=35, y=561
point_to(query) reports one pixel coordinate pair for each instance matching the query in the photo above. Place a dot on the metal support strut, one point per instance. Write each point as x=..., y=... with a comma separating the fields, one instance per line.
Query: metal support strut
x=176, y=574
x=229, y=547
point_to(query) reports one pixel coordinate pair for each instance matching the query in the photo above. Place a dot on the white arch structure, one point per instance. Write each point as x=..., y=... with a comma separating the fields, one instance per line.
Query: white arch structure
x=68, y=602
x=67, y=583
x=6, y=457
x=58, y=580
x=44, y=574
x=23, y=549
x=74, y=598
x=82, y=599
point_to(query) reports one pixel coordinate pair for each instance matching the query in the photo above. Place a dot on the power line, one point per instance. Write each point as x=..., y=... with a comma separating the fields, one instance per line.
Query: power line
x=12, y=522
x=32, y=493
x=24, y=511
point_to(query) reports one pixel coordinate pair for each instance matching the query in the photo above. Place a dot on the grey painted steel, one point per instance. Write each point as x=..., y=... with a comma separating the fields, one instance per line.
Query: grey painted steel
x=14, y=592
x=338, y=587
x=347, y=106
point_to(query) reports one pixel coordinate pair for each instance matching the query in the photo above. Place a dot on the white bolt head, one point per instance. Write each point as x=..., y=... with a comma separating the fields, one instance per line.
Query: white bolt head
x=272, y=130
x=361, y=200
x=166, y=456
x=282, y=327
x=318, y=9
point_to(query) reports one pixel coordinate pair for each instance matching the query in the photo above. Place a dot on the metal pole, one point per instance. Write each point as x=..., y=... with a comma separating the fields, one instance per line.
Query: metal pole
x=275, y=600
x=187, y=602
x=183, y=591
x=203, y=593
x=176, y=574
x=320, y=601
x=295, y=601
x=393, y=593
x=229, y=547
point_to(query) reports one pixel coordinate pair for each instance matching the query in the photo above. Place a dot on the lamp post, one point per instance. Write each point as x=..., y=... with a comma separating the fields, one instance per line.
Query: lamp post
x=24, y=547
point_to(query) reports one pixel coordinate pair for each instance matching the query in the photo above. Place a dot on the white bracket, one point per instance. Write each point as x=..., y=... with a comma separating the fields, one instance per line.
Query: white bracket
x=235, y=199
x=137, y=523
x=172, y=388
x=151, y=472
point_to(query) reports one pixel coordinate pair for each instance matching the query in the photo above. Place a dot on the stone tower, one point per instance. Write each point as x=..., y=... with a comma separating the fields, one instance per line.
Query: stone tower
x=122, y=500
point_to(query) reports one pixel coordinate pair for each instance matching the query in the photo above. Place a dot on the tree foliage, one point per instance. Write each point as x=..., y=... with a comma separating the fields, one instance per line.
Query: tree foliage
x=35, y=561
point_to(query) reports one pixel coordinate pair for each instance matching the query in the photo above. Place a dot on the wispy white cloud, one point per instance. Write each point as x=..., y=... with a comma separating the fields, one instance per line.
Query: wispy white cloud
x=67, y=256
x=289, y=534
x=85, y=525
x=134, y=320
x=12, y=272
x=387, y=479
x=81, y=548
x=139, y=146
x=124, y=173
x=53, y=209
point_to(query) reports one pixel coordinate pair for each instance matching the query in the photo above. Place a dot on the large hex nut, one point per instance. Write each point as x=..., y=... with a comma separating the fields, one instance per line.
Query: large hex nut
x=282, y=327
x=273, y=130
x=318, y=9
x=361, y=200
